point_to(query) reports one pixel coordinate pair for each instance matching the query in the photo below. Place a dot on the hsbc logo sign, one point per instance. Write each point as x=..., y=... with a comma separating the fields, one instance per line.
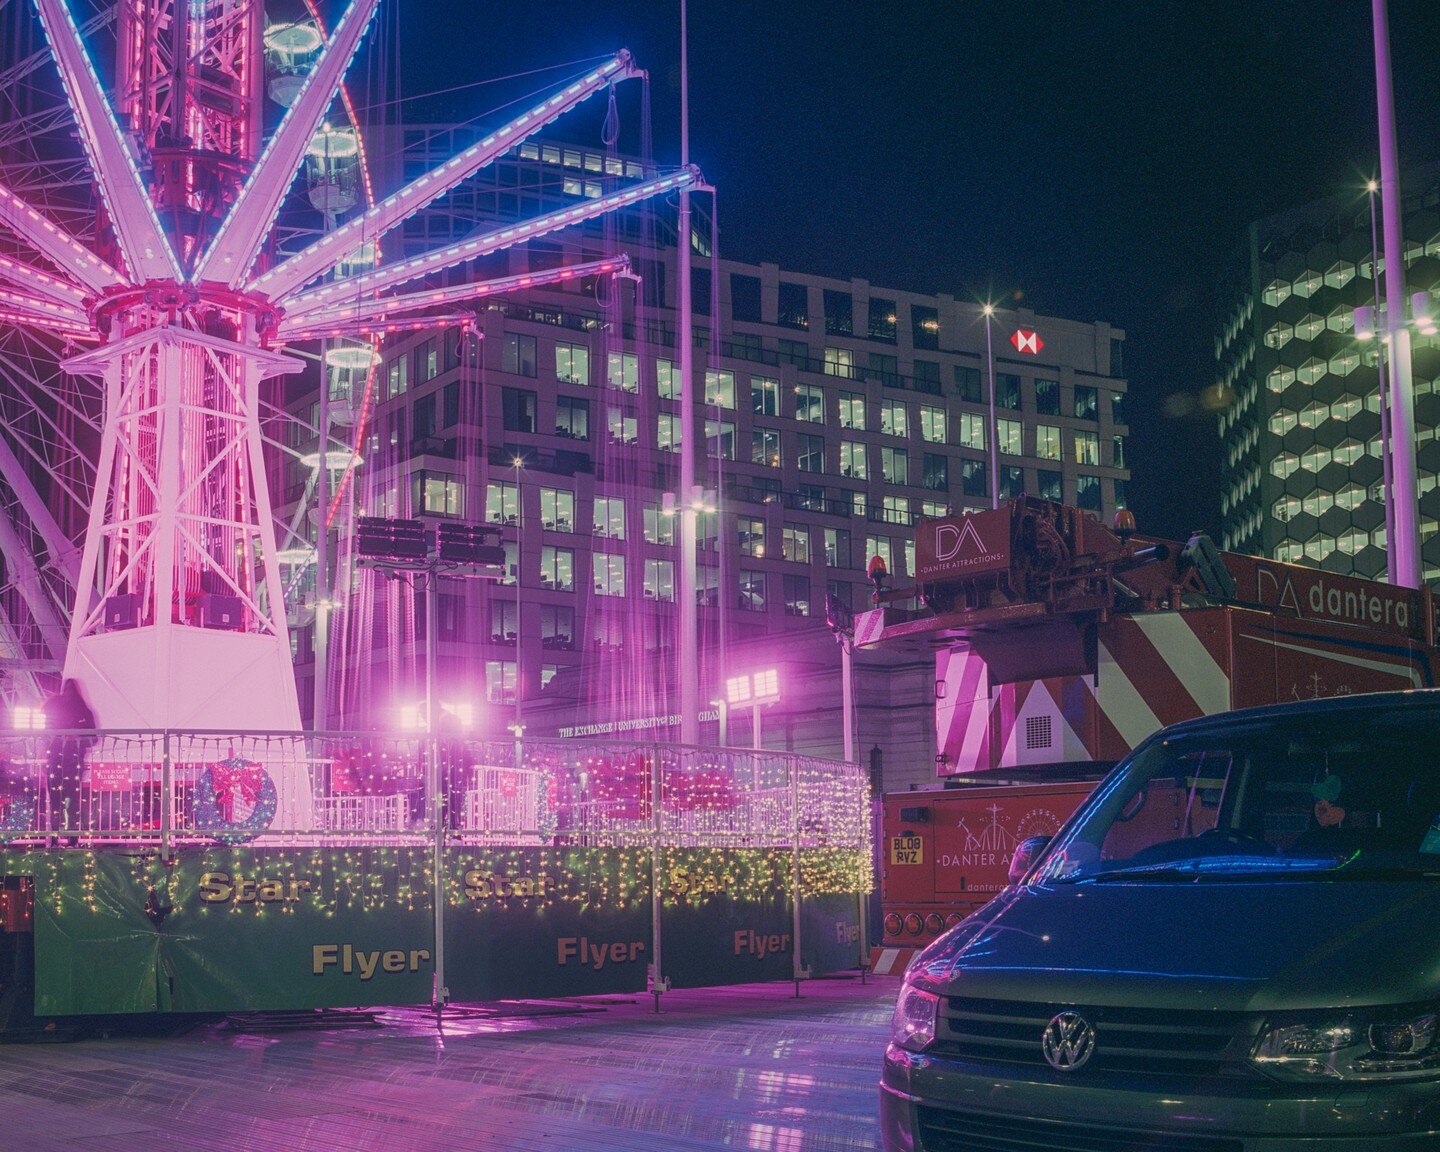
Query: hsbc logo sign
x=1027, y=341
x=957, y=546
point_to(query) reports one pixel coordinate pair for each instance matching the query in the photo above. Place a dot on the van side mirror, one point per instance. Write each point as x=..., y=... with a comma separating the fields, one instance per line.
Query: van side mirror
x=1026, y=853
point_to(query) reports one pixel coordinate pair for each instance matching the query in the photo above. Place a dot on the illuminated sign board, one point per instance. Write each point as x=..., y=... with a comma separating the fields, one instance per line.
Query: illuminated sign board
x=1027, y=341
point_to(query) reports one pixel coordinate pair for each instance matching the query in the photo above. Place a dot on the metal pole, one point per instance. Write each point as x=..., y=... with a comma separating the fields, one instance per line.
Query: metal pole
x=1382, y=370
x=320, y=719
x=795, y=968
x=724, y=709
x=657, y=982
x=687, y=655
x=519, y=727
x=1404, y=543
x=994, y=431
x=755, y=740
x=167, y=795
x=440, y=994
x=847, y=694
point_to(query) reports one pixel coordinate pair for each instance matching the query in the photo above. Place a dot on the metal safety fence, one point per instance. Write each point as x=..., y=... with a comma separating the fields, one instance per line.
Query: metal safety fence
x=732, y=858
x=106, y=787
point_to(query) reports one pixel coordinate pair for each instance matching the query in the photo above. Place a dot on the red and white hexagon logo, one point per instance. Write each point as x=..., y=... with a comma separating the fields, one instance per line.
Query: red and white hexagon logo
x=1027, y=341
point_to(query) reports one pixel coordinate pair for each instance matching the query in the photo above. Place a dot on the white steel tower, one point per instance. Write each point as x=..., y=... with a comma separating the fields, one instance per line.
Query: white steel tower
x=179, y=620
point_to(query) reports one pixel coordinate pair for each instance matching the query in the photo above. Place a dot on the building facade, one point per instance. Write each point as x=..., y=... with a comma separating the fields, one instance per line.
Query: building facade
x=835, y=413
x=1301, y=436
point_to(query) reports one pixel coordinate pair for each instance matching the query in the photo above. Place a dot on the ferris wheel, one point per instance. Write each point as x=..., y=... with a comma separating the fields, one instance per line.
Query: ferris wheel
x=148, y=285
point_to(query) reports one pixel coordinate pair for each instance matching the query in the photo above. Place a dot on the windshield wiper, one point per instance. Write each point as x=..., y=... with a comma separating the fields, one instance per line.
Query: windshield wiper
x=1225, y=867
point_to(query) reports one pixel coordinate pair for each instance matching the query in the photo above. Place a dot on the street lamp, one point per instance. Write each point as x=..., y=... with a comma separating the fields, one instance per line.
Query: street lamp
x=994, y=432
x=398, y=546
x=518, y=727
x=753, y=691
x=1404, y=543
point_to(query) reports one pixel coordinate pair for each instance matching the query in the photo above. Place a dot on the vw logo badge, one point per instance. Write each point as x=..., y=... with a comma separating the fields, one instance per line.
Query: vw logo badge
x=1068, y=1042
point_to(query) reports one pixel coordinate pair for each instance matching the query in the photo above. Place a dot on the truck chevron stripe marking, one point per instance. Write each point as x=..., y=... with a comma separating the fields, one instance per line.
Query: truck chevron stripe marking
x=1151, y=669
x=1122, y=703
x=1189, y=659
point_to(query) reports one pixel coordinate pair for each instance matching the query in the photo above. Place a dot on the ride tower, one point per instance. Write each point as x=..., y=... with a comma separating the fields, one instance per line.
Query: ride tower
x=179, y=620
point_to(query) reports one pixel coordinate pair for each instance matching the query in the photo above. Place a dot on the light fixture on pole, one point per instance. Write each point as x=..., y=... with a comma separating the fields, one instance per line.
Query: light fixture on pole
x=753, y=691
x=687, y=617
x=398, y=546
x=1404, y=539
x=518, y=726
x=993, y=431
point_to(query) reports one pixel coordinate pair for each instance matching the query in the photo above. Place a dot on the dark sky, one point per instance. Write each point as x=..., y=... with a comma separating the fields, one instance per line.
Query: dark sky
x=1102, y=158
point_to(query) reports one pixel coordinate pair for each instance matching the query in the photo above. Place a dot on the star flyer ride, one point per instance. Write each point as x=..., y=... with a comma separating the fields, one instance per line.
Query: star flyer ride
x=198, y=852
x=1061, y=645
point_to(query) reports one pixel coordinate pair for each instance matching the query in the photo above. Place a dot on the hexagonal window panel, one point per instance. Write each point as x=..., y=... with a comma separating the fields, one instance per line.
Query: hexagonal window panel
x=1350, y=497
x=1343, y=363
x=1282, y=421
x=1284, y=464
x=1348, y=451
x=1311, y=370
x=1278, y=379
x=1314, y=414
x=1315, y=458
x=1277, y=292
x=1352, y=542
x=1309, y=326
x=1289, y=552
x=1318, y=503
x=1285, y=509
x=1339, y=274
x=1320, y=547
x=1341, y=319
x=1279, y=336
x=1347, y=407
x=1307, y=285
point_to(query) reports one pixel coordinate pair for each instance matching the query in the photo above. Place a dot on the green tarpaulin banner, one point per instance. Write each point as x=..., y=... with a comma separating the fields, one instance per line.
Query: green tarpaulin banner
x=726, y=916
x=244, y=928
x=536, y=923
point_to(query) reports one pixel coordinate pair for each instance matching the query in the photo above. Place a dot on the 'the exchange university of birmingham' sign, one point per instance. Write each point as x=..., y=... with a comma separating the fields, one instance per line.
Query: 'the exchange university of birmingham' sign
x=959, y=546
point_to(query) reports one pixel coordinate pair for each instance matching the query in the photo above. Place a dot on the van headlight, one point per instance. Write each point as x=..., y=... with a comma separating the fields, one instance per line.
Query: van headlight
x=913, y=1025
x=1373, y=1044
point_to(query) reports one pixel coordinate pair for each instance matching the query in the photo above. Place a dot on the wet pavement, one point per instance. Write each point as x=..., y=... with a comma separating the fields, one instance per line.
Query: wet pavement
x=731, y=1068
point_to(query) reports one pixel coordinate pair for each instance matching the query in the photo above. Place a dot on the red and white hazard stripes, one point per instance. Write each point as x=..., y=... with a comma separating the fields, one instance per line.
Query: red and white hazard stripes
x=891, y=961
x=1156, y=669
x=962, y=711
x=1153, y=669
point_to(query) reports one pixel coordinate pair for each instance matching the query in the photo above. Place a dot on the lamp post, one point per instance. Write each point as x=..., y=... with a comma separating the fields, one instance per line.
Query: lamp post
x=1403, y=541
x=755, y=690
x=397, y=546
x=1382, y=369
x=687, y=647
x=518, y=726
x=993, y=432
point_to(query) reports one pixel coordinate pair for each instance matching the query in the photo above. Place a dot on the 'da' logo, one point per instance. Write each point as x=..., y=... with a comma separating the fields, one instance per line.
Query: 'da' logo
x=1027, y=341
x=951, y=540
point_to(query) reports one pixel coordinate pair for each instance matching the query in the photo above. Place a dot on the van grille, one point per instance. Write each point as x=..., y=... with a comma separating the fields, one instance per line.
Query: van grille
x=942, y=1130
x=1132, y=1040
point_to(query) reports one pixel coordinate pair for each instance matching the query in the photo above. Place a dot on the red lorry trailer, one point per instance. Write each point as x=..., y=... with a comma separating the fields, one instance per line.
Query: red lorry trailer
x=1061, y=644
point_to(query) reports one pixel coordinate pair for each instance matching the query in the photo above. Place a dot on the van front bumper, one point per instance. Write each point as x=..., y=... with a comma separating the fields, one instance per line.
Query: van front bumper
x=922, y=1095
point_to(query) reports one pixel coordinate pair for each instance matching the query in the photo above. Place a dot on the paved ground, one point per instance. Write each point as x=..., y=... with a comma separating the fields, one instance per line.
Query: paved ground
x=737, y=1068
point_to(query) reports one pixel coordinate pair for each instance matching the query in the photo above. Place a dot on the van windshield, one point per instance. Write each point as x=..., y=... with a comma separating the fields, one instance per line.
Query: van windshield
x=1353, y=793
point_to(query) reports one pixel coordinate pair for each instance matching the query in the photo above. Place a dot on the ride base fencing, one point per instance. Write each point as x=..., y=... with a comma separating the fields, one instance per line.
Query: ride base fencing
x=169, y=794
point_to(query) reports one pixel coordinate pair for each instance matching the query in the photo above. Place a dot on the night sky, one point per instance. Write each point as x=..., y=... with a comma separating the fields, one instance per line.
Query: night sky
x=1100, y=159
